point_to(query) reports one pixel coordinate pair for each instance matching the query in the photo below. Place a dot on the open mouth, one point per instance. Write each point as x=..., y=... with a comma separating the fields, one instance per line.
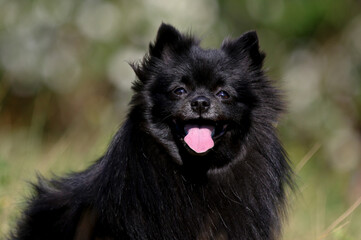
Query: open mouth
x=199, y=135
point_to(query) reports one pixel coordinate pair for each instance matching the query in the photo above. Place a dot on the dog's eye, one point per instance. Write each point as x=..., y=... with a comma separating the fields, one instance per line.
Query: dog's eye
x=223, y=94
x=179, y=91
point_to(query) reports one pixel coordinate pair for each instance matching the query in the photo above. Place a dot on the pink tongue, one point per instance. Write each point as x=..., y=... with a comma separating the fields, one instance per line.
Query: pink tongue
x=199, y=138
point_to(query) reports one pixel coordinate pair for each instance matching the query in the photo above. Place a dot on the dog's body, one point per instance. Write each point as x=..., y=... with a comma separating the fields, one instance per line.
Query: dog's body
x=197, y=157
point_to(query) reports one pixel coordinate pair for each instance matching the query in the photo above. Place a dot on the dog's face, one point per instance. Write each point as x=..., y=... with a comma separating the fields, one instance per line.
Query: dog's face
x=199, y=104
x=199, y=99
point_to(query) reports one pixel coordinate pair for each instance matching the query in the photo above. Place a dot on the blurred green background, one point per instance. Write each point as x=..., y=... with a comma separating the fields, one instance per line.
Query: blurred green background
x=65, y=85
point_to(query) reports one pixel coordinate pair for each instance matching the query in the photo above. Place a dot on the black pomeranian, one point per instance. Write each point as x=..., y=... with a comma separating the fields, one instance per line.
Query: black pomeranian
x=198, y=156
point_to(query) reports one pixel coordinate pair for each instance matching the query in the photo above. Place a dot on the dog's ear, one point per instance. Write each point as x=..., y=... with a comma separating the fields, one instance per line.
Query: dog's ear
x=246, y=46
x=169, y=39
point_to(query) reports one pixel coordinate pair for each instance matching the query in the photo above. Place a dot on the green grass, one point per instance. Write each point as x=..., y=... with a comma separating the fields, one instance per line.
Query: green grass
x=23, y=154
x=321, y=201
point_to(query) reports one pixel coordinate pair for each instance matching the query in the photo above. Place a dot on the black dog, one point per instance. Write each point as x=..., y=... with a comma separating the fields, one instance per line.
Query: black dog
x=197, y=158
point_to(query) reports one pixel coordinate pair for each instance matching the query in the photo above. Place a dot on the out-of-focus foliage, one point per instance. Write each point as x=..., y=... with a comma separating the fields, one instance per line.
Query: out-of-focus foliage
x=65, y=84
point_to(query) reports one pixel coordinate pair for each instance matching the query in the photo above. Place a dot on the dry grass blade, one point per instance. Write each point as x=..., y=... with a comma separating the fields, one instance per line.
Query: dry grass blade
x=307, y=157
x=333, y=226
x=341, y=226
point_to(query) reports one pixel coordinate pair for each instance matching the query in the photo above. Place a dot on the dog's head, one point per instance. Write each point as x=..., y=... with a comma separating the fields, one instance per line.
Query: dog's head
x=202, y=103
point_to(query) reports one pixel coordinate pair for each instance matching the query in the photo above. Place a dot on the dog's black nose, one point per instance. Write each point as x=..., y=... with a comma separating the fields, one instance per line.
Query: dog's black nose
x=200, y=104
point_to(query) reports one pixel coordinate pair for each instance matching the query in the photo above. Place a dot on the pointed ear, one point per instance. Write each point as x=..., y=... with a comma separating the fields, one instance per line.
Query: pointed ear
x=245, y=46
x=168, y=38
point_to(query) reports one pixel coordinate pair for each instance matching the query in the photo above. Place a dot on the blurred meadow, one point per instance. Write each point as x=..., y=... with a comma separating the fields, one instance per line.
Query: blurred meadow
x=65, y=85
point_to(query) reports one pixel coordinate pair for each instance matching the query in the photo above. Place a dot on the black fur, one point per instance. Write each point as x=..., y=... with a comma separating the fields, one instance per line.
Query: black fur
x=150, y=184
